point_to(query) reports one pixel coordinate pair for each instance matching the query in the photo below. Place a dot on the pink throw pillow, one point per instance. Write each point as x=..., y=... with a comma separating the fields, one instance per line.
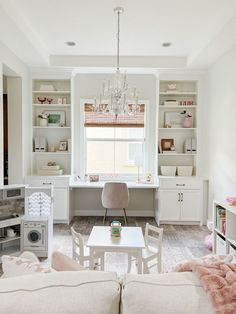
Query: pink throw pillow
x=61, y=262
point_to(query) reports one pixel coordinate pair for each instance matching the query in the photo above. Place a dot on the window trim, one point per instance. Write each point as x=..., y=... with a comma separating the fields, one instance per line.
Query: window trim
x=83, y=141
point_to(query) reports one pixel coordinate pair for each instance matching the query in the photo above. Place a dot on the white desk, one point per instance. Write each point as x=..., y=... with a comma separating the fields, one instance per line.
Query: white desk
x=130, y=241
x=86, y=198
x=100, y=184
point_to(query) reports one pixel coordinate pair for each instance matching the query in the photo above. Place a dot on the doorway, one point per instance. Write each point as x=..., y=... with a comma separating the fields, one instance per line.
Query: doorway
x=12, y=128
x=5, y=132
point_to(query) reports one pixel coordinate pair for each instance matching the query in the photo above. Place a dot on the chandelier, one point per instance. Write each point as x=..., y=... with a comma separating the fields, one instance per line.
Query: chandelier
x=116, y=97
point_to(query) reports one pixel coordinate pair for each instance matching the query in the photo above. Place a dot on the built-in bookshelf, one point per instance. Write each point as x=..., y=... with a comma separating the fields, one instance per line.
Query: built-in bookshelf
x=224, y=231
x=51, y=136
x=177, y=123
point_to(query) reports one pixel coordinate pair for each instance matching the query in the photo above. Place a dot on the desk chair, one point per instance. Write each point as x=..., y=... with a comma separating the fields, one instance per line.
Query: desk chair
x=115, y=195
x=80, y=252
x=152, y=251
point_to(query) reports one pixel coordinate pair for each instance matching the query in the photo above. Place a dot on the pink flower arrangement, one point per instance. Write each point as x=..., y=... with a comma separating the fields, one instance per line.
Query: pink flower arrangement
x=231, y=201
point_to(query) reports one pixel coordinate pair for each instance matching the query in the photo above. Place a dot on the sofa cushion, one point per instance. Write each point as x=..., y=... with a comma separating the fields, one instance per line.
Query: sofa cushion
x=61, y=262
x=69, y=292
x=13, y=266
x=177, y=293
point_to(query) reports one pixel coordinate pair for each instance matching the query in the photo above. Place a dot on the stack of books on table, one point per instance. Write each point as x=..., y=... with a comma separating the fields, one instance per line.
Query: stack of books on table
x=50, y=171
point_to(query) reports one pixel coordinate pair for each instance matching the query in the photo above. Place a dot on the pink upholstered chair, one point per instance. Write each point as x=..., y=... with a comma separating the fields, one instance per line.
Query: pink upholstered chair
x=115, y=195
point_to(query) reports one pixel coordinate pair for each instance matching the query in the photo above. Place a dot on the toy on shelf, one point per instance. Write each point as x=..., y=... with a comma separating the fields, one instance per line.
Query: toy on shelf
x=231, y=201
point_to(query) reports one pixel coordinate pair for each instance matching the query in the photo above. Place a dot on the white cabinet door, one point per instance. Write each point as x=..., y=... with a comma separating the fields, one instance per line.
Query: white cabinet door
x=169, y=205
x=60, y=204
x=190, y=205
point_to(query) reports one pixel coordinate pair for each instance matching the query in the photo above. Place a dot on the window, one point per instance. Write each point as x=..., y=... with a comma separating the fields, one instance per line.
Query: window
x=114, y=146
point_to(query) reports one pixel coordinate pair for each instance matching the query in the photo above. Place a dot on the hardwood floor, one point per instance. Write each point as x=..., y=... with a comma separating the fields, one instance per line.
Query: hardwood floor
x=179, y=242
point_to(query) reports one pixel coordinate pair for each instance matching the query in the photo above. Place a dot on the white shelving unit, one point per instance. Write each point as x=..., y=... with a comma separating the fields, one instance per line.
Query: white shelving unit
x=53, y=134
x=224, y=240
x=11, y=245
x=186, y=96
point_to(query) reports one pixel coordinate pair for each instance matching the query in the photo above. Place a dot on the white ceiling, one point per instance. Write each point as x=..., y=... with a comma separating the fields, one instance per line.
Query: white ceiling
x=190, y=25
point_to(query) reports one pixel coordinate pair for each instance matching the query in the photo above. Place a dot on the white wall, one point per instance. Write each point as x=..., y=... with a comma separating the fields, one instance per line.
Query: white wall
x=8, y=60
x=220, y=128
x=15, y=138
x=87, y=86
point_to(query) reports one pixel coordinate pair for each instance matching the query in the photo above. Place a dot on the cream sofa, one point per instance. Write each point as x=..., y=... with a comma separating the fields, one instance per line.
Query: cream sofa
x=97, y=292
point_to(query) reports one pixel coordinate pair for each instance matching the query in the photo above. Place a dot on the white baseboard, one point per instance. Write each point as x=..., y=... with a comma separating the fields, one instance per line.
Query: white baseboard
x=187, y=223
x=129, y=213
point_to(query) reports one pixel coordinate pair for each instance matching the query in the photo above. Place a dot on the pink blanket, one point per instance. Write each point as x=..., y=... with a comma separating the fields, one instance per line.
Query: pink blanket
x=219, y=281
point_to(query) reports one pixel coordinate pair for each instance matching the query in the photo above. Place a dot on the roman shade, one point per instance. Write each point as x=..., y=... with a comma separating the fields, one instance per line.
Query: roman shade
x=99, y=119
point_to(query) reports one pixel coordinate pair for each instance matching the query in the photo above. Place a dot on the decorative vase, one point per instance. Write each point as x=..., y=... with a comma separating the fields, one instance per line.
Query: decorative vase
x=187, y=122
x=43, y=122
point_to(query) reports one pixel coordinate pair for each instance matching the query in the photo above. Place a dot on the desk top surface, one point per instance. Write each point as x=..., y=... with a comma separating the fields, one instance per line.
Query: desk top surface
x=100, y=184
x=131, y=237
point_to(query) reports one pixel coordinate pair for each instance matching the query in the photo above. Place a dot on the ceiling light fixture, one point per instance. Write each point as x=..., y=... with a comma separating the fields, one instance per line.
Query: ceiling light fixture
x=116, y=96
x=70, y=43
x=166, y=44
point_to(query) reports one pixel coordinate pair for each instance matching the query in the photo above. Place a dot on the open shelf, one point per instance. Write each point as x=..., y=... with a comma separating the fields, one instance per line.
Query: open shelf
x=9, y=239
x=177, y=107
x=52, y=105
x=51, y=127
x=176, y=154
x=50, y=92
x=175, y=93
x=172, y=103
x=52, y=153
x=183, y=129
x=60, y=92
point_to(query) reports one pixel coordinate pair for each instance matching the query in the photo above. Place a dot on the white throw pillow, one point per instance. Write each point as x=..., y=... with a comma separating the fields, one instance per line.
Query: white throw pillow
x=17, y=266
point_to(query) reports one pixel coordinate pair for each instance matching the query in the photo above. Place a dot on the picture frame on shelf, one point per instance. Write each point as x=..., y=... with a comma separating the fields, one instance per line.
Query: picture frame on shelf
x=56, y=118
x=63, y=146
x=173, y=119
x=166, y=144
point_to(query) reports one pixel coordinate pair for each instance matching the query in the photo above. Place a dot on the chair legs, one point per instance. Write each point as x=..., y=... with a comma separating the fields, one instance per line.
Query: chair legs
x=105, y=215
x=125, y=217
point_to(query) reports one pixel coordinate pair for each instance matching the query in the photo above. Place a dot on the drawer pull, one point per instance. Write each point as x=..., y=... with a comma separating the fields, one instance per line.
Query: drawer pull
x=47, y=183
x=182, y=197
x=179, y=197
x=178, y=184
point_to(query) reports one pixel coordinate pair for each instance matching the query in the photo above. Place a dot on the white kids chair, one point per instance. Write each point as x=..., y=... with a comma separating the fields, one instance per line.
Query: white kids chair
x=152, y=251
x=80, y=252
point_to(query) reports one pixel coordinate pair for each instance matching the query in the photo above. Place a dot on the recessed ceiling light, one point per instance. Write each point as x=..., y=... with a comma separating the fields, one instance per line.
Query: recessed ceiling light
x=166, y=44
x=70, y=43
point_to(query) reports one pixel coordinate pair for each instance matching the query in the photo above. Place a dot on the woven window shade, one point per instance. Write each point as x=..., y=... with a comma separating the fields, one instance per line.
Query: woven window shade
x=96, y=119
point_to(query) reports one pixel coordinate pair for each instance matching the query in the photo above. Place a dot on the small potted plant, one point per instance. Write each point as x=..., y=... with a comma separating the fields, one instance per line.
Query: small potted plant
x=43, y=119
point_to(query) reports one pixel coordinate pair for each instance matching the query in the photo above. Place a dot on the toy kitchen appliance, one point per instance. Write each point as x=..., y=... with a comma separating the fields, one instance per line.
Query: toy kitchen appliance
x=37, y=224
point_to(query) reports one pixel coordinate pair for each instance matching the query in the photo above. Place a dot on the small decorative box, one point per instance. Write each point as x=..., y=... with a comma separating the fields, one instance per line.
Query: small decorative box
x=115, y=228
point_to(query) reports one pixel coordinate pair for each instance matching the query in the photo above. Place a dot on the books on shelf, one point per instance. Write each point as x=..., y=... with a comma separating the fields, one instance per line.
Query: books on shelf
x=221, y=219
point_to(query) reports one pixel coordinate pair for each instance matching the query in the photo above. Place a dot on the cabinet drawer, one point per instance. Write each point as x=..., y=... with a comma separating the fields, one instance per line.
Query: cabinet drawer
x=232, y=251
x=180, y=184
x=220, y=246
x=47, y=181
